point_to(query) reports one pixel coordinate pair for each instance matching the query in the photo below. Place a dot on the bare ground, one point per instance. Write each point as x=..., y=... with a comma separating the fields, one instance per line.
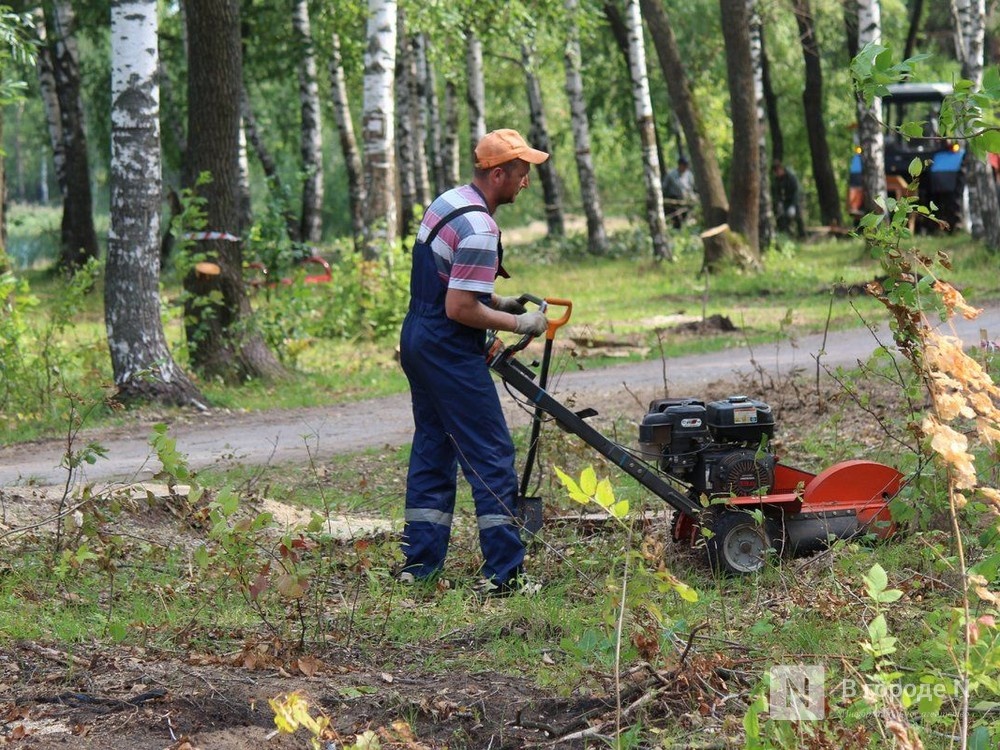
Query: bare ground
x=99, y=696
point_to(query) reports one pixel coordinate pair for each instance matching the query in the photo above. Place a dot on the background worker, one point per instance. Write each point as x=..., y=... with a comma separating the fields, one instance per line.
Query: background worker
x=786, y=199
x=456, y=411
x=680, y=192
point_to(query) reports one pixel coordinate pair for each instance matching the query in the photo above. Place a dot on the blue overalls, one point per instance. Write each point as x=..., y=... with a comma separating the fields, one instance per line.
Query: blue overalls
x=458, y=420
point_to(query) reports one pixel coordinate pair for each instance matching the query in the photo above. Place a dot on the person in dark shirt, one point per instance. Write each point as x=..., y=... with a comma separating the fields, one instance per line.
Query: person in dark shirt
x=786, y=199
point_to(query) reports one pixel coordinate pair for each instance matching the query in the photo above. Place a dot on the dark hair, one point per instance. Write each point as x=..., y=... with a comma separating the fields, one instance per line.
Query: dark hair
x=682, y=160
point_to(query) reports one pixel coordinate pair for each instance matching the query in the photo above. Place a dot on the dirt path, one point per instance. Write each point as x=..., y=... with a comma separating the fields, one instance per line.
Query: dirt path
x=292, y=436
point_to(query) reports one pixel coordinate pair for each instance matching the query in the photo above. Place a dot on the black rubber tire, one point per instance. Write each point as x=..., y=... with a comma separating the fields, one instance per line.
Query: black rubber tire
x=738, y=544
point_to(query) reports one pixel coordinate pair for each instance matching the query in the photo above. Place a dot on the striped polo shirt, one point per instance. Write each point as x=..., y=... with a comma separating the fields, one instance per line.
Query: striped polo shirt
x=465, y=249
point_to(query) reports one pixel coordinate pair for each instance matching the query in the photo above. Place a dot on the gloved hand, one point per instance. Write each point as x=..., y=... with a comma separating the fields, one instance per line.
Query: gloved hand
x=531, y=323
x=510, y=305
x=790, y=212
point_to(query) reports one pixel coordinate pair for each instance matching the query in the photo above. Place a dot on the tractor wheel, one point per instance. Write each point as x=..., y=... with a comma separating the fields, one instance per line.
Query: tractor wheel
x=738, y=543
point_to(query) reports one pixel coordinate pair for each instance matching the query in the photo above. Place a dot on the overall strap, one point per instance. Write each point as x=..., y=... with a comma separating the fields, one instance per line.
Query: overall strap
x=448, y=217
x=464, y=210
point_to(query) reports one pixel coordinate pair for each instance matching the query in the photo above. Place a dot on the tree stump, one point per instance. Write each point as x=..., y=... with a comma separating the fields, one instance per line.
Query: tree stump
x=724, y=246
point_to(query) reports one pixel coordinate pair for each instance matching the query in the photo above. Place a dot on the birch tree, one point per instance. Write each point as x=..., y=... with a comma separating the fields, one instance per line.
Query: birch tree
x=870, y=137
x=311, y=143
x=538, y=136
x=704, y=164
x=647, y=134
x=405, y=121
x=744, y=209
x=969, y=17
x=450, y=158
x=378, y=120
x=766, y=222
x=141, y=361
x=348, y=141
x=475, y=91
x=597, y=241
x=78, y=237
x=419, y=110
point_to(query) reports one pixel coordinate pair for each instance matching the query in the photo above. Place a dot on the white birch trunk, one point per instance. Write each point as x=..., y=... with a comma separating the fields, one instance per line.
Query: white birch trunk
x=140, y=359
x=421, y=117
x=870, y=136
x=50, y=102
x=348, y=141
x=597, y=240
x=766, y=219
x=311, y=148
x=404, y=128
x=647, y=133
x=969, y=17
x=475, y=88
x=538, y=136
x=378, y=121
x=434, y=130
x=450, y=156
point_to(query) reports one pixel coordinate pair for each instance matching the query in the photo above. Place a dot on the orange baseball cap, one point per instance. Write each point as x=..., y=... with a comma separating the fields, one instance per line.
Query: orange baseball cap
x=501, y=146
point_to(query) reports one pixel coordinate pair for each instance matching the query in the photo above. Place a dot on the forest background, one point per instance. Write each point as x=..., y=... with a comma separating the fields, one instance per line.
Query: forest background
x=945, y=619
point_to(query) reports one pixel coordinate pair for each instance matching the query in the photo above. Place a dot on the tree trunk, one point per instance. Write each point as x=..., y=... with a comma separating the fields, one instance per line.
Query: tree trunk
x=78, y=238
x=217, y=309
x=744, y=208
x=647, y=134
x=450, y=156
x=475, y=92
x=538, y=136
x=405, y=120
x=246, y=208
x=311, y=146
x=766, y=223
x=435, y=137
x=870, y=137
x=50, y=101
x=267, y=163
x=4, y=260
x=348, y=142
x=969, y=17
x=597, y=241
x=141, y=361
x=419, y=106
x=827, y=193
x=379, y=119
x=771, y=102
x=707, y=175
x=916, y=11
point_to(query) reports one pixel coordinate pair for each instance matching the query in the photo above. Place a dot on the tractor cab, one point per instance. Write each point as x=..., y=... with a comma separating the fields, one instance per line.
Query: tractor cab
x=942, y=181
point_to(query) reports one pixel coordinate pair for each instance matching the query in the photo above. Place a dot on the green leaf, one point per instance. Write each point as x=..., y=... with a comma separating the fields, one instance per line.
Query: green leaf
x=876, y=580
x=620, y=509
x=228, y=502
x=912, y=129
x=889, y=595
x=588, y=480
x=604, y=495
x=685, y=592
x=201, y=556
x=572, y=487
x=916, y=166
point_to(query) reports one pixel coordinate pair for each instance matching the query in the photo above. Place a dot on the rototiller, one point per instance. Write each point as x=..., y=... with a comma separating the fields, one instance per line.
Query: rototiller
x=712, y=463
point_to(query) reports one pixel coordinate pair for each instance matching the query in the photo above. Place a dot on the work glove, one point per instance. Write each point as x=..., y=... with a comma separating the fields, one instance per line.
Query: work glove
x=510, y=305
x=531, y=323
x=790, y=212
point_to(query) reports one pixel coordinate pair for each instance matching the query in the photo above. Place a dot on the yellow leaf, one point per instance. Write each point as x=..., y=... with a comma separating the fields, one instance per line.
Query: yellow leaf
x=575, y=492
x=620, y=509
x=685, y=592
x=588, y=480
x=604, y=495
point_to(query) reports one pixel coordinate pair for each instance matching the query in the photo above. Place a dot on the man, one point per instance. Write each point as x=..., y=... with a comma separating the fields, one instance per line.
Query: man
x=786, y=199
x=680, y=192
x=456, y=411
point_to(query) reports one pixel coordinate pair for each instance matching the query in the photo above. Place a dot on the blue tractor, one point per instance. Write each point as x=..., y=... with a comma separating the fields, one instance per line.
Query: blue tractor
x=943, y=180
